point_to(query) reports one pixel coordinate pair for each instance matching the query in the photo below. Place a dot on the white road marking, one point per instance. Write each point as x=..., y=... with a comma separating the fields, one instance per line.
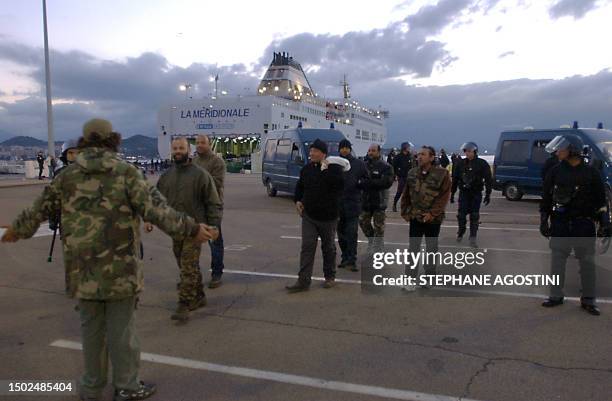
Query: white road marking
x=43, y=231
x=279, y=377
x=535, y=251
x=481, y=227
x=476, y=292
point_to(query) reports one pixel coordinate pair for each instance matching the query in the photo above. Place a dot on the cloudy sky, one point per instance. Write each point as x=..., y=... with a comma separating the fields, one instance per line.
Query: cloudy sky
x=448, y=70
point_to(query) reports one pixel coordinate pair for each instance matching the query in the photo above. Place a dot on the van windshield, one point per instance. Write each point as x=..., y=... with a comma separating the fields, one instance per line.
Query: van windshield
x=603, y=140
x=332, y=147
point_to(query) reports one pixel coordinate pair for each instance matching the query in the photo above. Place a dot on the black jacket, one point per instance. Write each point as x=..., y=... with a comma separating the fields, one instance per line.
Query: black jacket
x=402, y=164
x=550, y=163
x=573, y=191
x=376, y=185
x=320, y=191
x=350, y=203
x=472, y=176
x=444, y=162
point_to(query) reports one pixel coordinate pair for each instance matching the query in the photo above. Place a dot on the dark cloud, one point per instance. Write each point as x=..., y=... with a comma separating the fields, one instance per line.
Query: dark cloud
x=506, y=54
x=128, y=92
x=447, y=116
x=573, y=8
x=433, y=18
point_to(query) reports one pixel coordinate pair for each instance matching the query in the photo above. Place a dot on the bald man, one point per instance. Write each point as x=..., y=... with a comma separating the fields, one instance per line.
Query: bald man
x=213, y=164
x=191, y=190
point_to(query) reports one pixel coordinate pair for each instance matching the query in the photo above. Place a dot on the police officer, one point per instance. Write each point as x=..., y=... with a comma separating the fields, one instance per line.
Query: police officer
x=374, y=198
x=69, y=154
x=470, y=176
x=106, y=197
x=402, y=163
x=573, y=200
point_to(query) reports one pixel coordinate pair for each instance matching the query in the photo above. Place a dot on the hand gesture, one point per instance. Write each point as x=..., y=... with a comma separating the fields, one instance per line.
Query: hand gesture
x=203, y=234
x=148, y=227
x=213, y=231
x=9, y=235
x=300, y=208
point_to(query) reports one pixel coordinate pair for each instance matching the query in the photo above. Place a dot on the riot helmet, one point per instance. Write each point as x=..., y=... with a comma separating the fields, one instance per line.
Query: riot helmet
x=66, y=146
x=573, y=143
x=470, y=146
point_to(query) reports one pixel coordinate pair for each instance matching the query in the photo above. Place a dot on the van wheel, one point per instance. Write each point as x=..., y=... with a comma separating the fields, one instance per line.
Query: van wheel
x=513, y=192
x=270, y=188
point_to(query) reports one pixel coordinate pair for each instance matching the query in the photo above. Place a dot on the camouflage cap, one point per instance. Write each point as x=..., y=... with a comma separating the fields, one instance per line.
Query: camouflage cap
x=102, y=127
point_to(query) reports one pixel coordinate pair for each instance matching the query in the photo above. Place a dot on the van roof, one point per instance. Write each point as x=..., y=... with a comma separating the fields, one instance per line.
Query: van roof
x=564, y=130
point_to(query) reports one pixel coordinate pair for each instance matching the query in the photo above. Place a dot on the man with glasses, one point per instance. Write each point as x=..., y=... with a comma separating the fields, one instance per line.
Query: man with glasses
x=471, y=176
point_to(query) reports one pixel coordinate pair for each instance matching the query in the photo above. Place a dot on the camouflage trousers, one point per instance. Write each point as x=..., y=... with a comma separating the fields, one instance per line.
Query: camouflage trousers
x=372, y=223
x=187, y=254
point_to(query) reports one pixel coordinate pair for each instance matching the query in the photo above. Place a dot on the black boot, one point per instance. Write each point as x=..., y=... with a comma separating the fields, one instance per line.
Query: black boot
x=460, y=233
x=552, y=302
x=297, y=287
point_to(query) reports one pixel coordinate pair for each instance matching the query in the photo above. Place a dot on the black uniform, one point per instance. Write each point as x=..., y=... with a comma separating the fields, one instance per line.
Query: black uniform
x=471, y=177
x=402, y=163
x=574, y=198
x=548, y=164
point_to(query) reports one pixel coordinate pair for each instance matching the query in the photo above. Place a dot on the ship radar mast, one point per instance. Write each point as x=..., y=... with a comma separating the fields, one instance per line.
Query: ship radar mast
x=346, y=90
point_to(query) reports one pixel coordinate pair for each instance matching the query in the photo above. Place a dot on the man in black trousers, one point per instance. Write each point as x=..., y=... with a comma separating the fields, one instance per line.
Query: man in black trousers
x=317, y=196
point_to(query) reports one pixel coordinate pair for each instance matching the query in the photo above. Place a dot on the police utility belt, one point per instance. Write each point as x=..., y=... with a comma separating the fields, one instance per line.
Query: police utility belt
x=562, y=197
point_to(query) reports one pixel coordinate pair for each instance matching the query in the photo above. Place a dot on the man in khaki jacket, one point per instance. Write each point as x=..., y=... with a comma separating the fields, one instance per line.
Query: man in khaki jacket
x=215, y=166
x=424, y=201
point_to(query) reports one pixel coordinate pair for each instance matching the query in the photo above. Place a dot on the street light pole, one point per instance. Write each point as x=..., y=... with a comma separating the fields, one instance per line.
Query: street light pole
x=50, y=136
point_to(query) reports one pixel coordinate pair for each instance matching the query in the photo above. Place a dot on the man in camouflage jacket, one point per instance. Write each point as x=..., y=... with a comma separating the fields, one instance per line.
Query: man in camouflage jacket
x=424, y=200
x=102, y=199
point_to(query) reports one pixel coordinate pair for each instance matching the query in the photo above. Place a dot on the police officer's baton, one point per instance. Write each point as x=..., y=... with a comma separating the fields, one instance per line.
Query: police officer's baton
x=50, y=258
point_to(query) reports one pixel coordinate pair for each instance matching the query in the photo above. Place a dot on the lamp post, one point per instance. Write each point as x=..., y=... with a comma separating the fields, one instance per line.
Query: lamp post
x=50, y=136
x=185, y=88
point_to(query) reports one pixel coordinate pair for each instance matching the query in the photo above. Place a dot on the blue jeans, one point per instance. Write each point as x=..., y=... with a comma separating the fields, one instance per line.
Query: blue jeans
x=216, y=255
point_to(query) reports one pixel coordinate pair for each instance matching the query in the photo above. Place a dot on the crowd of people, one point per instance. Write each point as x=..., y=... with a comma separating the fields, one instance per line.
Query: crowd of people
x=98, y=201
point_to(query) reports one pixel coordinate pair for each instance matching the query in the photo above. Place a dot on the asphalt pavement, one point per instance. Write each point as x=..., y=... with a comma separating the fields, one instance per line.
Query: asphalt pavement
x=253, y=341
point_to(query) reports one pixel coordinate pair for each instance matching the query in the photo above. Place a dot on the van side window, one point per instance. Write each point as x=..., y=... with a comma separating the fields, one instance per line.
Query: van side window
x=538, y=153
x=270, y=149
x=295, y=152
x=515, y=151
x=283, y=150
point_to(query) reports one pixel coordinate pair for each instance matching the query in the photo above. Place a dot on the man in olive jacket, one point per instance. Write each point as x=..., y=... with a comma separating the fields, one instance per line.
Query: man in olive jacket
x=209, y=161
x=423, y=205
x=102, y=199
x=191, y=190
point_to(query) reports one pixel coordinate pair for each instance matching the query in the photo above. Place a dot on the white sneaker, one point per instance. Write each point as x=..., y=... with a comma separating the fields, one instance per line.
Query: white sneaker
x=409, y=288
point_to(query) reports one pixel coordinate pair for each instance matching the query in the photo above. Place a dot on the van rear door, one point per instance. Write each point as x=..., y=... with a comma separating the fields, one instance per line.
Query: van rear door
x=281, y=162
x=296, y=162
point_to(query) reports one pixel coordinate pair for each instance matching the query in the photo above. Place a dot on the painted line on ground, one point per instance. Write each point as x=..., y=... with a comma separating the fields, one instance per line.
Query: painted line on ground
x=533, y=251
x=43, y=231
x=481, y=227
x=279, y=377
x=359, y=282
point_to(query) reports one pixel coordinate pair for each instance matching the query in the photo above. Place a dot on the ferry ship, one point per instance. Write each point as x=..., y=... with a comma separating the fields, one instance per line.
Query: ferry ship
x=284, y=99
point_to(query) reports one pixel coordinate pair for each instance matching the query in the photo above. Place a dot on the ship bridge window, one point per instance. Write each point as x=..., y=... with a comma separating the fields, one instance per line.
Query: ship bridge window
x=358, y=134
x=365, y=135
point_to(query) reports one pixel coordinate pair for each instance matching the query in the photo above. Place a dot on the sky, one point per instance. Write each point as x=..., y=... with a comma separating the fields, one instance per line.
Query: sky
x=447, y=70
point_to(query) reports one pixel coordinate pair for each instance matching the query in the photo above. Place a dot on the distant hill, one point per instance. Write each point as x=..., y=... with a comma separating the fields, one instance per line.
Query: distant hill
x=136, y=145
x=139, y=145
x=24, y=141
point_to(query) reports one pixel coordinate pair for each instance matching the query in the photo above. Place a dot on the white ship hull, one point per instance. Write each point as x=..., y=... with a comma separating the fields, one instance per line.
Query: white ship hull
x=284, y=99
